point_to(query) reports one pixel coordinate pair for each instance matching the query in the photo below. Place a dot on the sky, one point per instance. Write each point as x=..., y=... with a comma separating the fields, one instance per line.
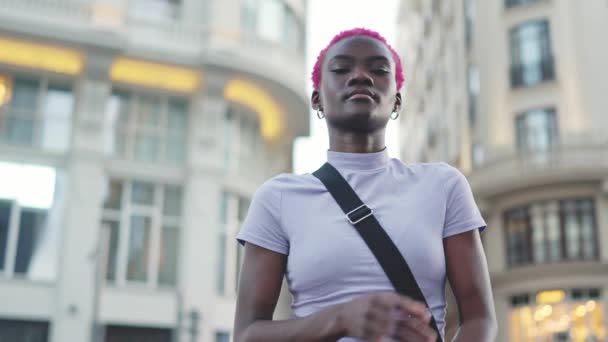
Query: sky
x=325, y=19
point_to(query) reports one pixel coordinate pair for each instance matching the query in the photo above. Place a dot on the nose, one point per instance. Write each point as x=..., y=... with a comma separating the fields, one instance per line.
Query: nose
x=359, y=76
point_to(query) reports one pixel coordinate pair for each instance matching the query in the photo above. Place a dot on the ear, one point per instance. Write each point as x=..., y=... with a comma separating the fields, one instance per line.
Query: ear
x=398, y=100
x=315, y=99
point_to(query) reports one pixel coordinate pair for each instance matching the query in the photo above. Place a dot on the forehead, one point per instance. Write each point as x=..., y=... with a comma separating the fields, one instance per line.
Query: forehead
x=359, y=47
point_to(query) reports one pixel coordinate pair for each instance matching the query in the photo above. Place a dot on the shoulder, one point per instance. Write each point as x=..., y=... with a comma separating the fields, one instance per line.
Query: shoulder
x=283, y=182
x=438, y=171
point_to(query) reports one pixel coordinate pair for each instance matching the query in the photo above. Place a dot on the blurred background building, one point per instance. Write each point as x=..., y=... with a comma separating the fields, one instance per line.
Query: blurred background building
x=132, y=136
x=512, y=92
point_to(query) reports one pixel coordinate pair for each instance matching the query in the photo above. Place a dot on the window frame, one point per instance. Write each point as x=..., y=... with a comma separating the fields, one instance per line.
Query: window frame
x=546, y=64
x=158, y=221
x=530, y=257
x=44, y=80
x=553, y=131
x=230, y=261
x=133, y=128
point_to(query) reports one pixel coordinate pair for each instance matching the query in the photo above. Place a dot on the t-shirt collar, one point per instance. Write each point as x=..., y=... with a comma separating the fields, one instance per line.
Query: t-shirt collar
x=358, y=161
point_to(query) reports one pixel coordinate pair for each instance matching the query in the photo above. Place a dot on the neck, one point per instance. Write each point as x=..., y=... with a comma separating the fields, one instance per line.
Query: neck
x=356, y=142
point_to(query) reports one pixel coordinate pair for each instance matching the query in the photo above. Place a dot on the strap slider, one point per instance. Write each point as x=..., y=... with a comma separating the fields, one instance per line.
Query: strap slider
x=359, y=214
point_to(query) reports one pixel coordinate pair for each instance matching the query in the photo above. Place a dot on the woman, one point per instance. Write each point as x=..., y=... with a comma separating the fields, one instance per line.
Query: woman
x=295, y=228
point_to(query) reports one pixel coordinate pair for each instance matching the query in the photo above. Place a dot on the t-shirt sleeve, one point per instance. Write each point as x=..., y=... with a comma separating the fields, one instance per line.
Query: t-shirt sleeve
x=262, y=225
x=462, y=213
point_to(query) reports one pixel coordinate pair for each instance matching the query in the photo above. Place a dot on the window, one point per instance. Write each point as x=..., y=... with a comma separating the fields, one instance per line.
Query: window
x=141, y=232
x=558, y=315
x=27, y=331
x=473, y=92
x=243, y=142
x=469, y=19
x=531, y=56
x=36, y=112
x=536, y=130
x=551, y=231
x=512, y=3
x=233, y=211
x=30, y=209
x=117, y=333
x=155, y=9
x=222, y=336
x=272, y=20
x=147, y=128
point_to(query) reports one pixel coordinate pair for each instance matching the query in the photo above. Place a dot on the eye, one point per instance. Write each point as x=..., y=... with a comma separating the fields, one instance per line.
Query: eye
x=339, y=70
x=380, y=71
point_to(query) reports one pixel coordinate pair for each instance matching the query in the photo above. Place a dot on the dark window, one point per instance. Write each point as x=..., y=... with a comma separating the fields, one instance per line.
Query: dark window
x=222, y=336
x=552, y=231
x=5, y=214
x=116, y=333
x=31, y=232
x=531, y=56
x=23, y=331
x=512, y=3
x=537, y=130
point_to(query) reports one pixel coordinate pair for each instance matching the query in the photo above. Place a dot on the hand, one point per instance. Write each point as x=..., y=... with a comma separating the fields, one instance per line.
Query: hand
x=376, y=316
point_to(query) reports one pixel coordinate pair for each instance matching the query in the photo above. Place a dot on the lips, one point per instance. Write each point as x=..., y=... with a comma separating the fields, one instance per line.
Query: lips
x=360, y=94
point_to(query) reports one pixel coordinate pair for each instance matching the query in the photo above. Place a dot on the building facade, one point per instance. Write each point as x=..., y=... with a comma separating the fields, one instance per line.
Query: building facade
x=133, y=134
x=516, y=90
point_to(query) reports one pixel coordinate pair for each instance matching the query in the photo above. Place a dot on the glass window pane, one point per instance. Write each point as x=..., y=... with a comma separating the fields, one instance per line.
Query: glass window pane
x=243, y=208
x=139, y=248
x=175, y=150
x=142, y=193
x=24, y=100
x=148, y=112
x=538, y=235
x=5, y=216
x=178, y=114
x=146, y=147
x=111, y=233
x=31, y=228
x=554, y=236
x=167, y=268
x=23, y=331
x=221, y=274
x=221, y=336
x=114, y=196
x=172, y=200
x=20, y=130
x=270, y=20
x=56, y=126
x=224, y=208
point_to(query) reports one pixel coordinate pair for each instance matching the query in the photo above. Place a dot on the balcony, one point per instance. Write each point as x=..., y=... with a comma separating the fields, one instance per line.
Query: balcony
x=507, y=172
x=532, y=73
x=113, y=24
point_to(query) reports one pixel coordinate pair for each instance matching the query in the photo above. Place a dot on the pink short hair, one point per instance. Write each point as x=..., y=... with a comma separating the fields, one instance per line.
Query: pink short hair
x=316, y=70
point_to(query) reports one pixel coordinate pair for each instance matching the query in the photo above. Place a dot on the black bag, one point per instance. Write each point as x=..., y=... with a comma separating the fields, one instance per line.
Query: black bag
x=376, y=238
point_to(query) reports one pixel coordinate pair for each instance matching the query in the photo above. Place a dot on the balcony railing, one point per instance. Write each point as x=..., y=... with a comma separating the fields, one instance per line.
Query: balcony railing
x=532, y=73
x=510, y=171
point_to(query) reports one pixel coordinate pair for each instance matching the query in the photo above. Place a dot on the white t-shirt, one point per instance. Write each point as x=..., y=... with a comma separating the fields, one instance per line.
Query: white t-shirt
x=328, y=262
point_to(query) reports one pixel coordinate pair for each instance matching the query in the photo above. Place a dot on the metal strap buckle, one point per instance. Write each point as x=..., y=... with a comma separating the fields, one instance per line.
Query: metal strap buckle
x=367, y=212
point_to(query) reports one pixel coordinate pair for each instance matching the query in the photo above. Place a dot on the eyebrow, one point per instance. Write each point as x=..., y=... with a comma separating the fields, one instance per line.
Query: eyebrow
x=351, y=58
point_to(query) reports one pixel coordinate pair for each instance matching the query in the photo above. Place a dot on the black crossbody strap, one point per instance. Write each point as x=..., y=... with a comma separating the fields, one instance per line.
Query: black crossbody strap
x=376, y=238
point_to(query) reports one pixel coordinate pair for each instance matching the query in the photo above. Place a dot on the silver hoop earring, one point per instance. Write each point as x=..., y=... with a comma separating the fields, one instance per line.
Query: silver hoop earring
x=394, y=115
x=320, y=114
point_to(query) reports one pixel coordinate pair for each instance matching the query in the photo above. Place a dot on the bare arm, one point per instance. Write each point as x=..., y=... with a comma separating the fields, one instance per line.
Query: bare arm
x=468, y=275
x=369, y=317
x=261, y=278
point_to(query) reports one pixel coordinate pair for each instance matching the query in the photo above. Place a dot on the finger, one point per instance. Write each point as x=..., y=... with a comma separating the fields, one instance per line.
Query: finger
x=413, y=308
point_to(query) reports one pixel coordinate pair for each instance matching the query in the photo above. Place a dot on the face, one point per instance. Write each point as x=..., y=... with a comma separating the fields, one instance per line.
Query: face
x=358, y=91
